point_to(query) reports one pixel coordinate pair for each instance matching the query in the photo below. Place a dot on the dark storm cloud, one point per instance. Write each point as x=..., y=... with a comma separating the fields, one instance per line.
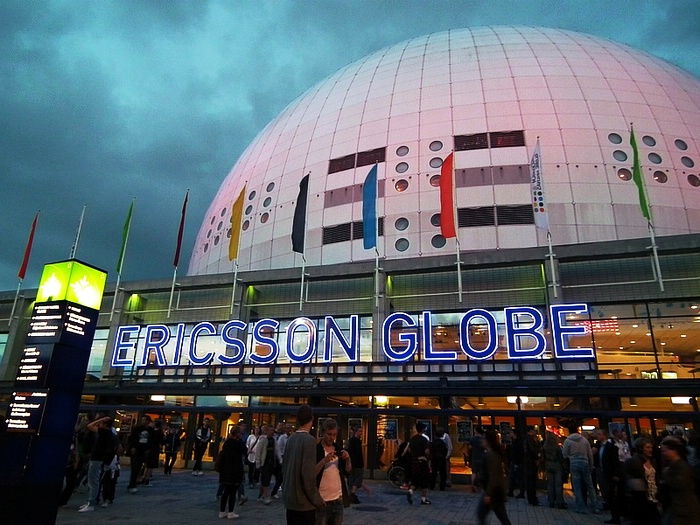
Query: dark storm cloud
x=103, y=101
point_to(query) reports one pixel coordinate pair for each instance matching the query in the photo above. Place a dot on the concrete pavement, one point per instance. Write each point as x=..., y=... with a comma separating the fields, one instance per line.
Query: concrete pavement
x=183, y=499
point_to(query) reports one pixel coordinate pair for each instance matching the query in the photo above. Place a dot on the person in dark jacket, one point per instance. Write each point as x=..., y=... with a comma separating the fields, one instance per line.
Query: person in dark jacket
x=615, y=453
x=231, y=473
x=494, y=479
x=533, y=456
x=642, y=481
x=516, y=457
x=171, y=444
x=554, y=466
x=680, y=505
x=140, y=442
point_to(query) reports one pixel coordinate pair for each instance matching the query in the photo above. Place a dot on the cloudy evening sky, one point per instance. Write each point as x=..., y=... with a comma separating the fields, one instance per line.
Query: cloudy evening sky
x=103, y=101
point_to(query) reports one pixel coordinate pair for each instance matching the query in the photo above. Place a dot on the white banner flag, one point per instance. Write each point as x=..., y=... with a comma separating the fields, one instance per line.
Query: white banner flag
x=539, y=205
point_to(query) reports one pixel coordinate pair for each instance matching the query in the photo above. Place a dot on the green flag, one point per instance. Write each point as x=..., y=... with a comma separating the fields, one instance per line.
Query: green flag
x=637, y=178
x=125, y=237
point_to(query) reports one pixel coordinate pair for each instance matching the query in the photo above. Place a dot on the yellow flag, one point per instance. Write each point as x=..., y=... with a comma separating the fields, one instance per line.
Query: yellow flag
x=236, y=217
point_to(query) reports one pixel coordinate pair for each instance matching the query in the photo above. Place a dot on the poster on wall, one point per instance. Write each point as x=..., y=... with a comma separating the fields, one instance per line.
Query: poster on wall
x=613, y=426
x=392, y=429
x=464, y=431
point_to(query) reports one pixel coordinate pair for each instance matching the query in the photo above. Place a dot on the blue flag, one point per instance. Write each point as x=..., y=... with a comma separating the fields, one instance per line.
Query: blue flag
x=369, y=210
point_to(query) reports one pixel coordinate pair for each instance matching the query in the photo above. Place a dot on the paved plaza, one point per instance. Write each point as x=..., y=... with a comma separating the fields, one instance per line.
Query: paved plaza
x=182, y=499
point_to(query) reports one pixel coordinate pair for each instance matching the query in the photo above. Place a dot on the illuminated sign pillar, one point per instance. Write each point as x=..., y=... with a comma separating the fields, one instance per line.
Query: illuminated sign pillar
x=46, y=398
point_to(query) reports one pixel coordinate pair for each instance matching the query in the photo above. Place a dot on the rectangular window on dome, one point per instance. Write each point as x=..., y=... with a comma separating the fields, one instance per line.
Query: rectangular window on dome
x=366, y=158
x=341, y=164
x=472, y=217
x=469, y=142
x=337, y=233
x=507, y=139
x=357, y=227
x=515, y=214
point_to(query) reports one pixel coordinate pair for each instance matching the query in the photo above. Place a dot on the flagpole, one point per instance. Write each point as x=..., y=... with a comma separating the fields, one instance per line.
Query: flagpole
x=656, y=266
x=14, y=304
x=122, y=254
x=376, y=239
x=176, y=260
x=172, y=291
x=550, y=255
x=455, y=217
x=77, y=234
x=235, y=279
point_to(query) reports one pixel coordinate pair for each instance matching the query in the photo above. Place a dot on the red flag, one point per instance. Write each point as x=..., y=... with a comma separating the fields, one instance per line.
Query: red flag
x=447, y=203
x=28, y=249
x=176, y=260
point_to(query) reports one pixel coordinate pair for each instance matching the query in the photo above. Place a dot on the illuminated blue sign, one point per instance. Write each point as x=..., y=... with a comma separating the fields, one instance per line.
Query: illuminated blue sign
x=402, y=339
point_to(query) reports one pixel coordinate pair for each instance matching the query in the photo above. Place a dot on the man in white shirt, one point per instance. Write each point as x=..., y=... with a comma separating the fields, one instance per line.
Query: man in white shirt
x=332, y=466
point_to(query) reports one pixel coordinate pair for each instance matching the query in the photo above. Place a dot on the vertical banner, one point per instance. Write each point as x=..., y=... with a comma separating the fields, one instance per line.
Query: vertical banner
x=369, y=210
x=447, y=200
x=539, y=204
x=299, y=222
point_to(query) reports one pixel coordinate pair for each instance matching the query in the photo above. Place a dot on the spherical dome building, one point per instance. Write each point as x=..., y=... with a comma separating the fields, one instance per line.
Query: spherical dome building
x=489, y=94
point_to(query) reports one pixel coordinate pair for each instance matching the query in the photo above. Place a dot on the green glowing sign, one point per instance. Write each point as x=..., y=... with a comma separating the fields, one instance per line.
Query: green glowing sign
x=72, y=281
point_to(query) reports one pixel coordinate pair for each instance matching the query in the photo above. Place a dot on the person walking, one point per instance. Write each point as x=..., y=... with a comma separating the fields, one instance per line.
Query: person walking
x=642, y=481
x=533, y=456
x=419, y=450
x=104, y=448
x=140, y=442
x=231, y=473
x=171, y=444
x=356, y=477
x=494, y=480
x=438, y=460
x=251, y=442
x=301, y=496
x=476, y=456
x=266, y=462
x=615, y=453
x=555, y=468
x=332, y=468
x=202, y=437
x=680, y=504
x=578, y=451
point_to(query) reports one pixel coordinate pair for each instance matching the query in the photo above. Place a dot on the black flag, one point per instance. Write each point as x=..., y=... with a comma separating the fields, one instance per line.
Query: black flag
x=299, y=223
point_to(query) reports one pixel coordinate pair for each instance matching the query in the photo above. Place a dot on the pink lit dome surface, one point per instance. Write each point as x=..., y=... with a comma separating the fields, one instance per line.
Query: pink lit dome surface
x=577, y=93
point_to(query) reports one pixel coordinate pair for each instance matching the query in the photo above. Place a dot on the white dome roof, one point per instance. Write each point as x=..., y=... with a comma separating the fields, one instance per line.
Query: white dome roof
x=576, y=92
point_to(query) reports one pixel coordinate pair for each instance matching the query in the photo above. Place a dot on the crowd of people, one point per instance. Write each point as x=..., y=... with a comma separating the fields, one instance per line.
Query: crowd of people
x=646, y=481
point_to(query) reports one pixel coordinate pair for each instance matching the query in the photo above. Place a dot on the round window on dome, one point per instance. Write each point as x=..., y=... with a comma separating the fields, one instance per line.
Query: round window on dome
x=435, y=145
x=614, y=138
x=270, y=187
x=248, y=209
x=620, y=155
x=660, y=176
x=435, y=162
x=216, y=240
x=246, y=225
x=212, y=221
x=228, y=233
x=251, y=195
x=435, y=181
x=206, y=247
x=264, y=217
x=223, y=212
x=681, y=145
x=401, y=185
x=649, y=141
x=688, y=162
x=401, y=244
x=693, y=180
x=220, y=225
x=654, y=158
x=435, y=220
x=401, y=223
x=208, y=234
x=402, y=151
x=624, y=174
x=267, y=201
x=438, y=241
x=401, y=167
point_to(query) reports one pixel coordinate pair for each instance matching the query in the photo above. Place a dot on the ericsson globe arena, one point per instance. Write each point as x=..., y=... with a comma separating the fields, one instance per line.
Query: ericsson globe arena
x=489, y=94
